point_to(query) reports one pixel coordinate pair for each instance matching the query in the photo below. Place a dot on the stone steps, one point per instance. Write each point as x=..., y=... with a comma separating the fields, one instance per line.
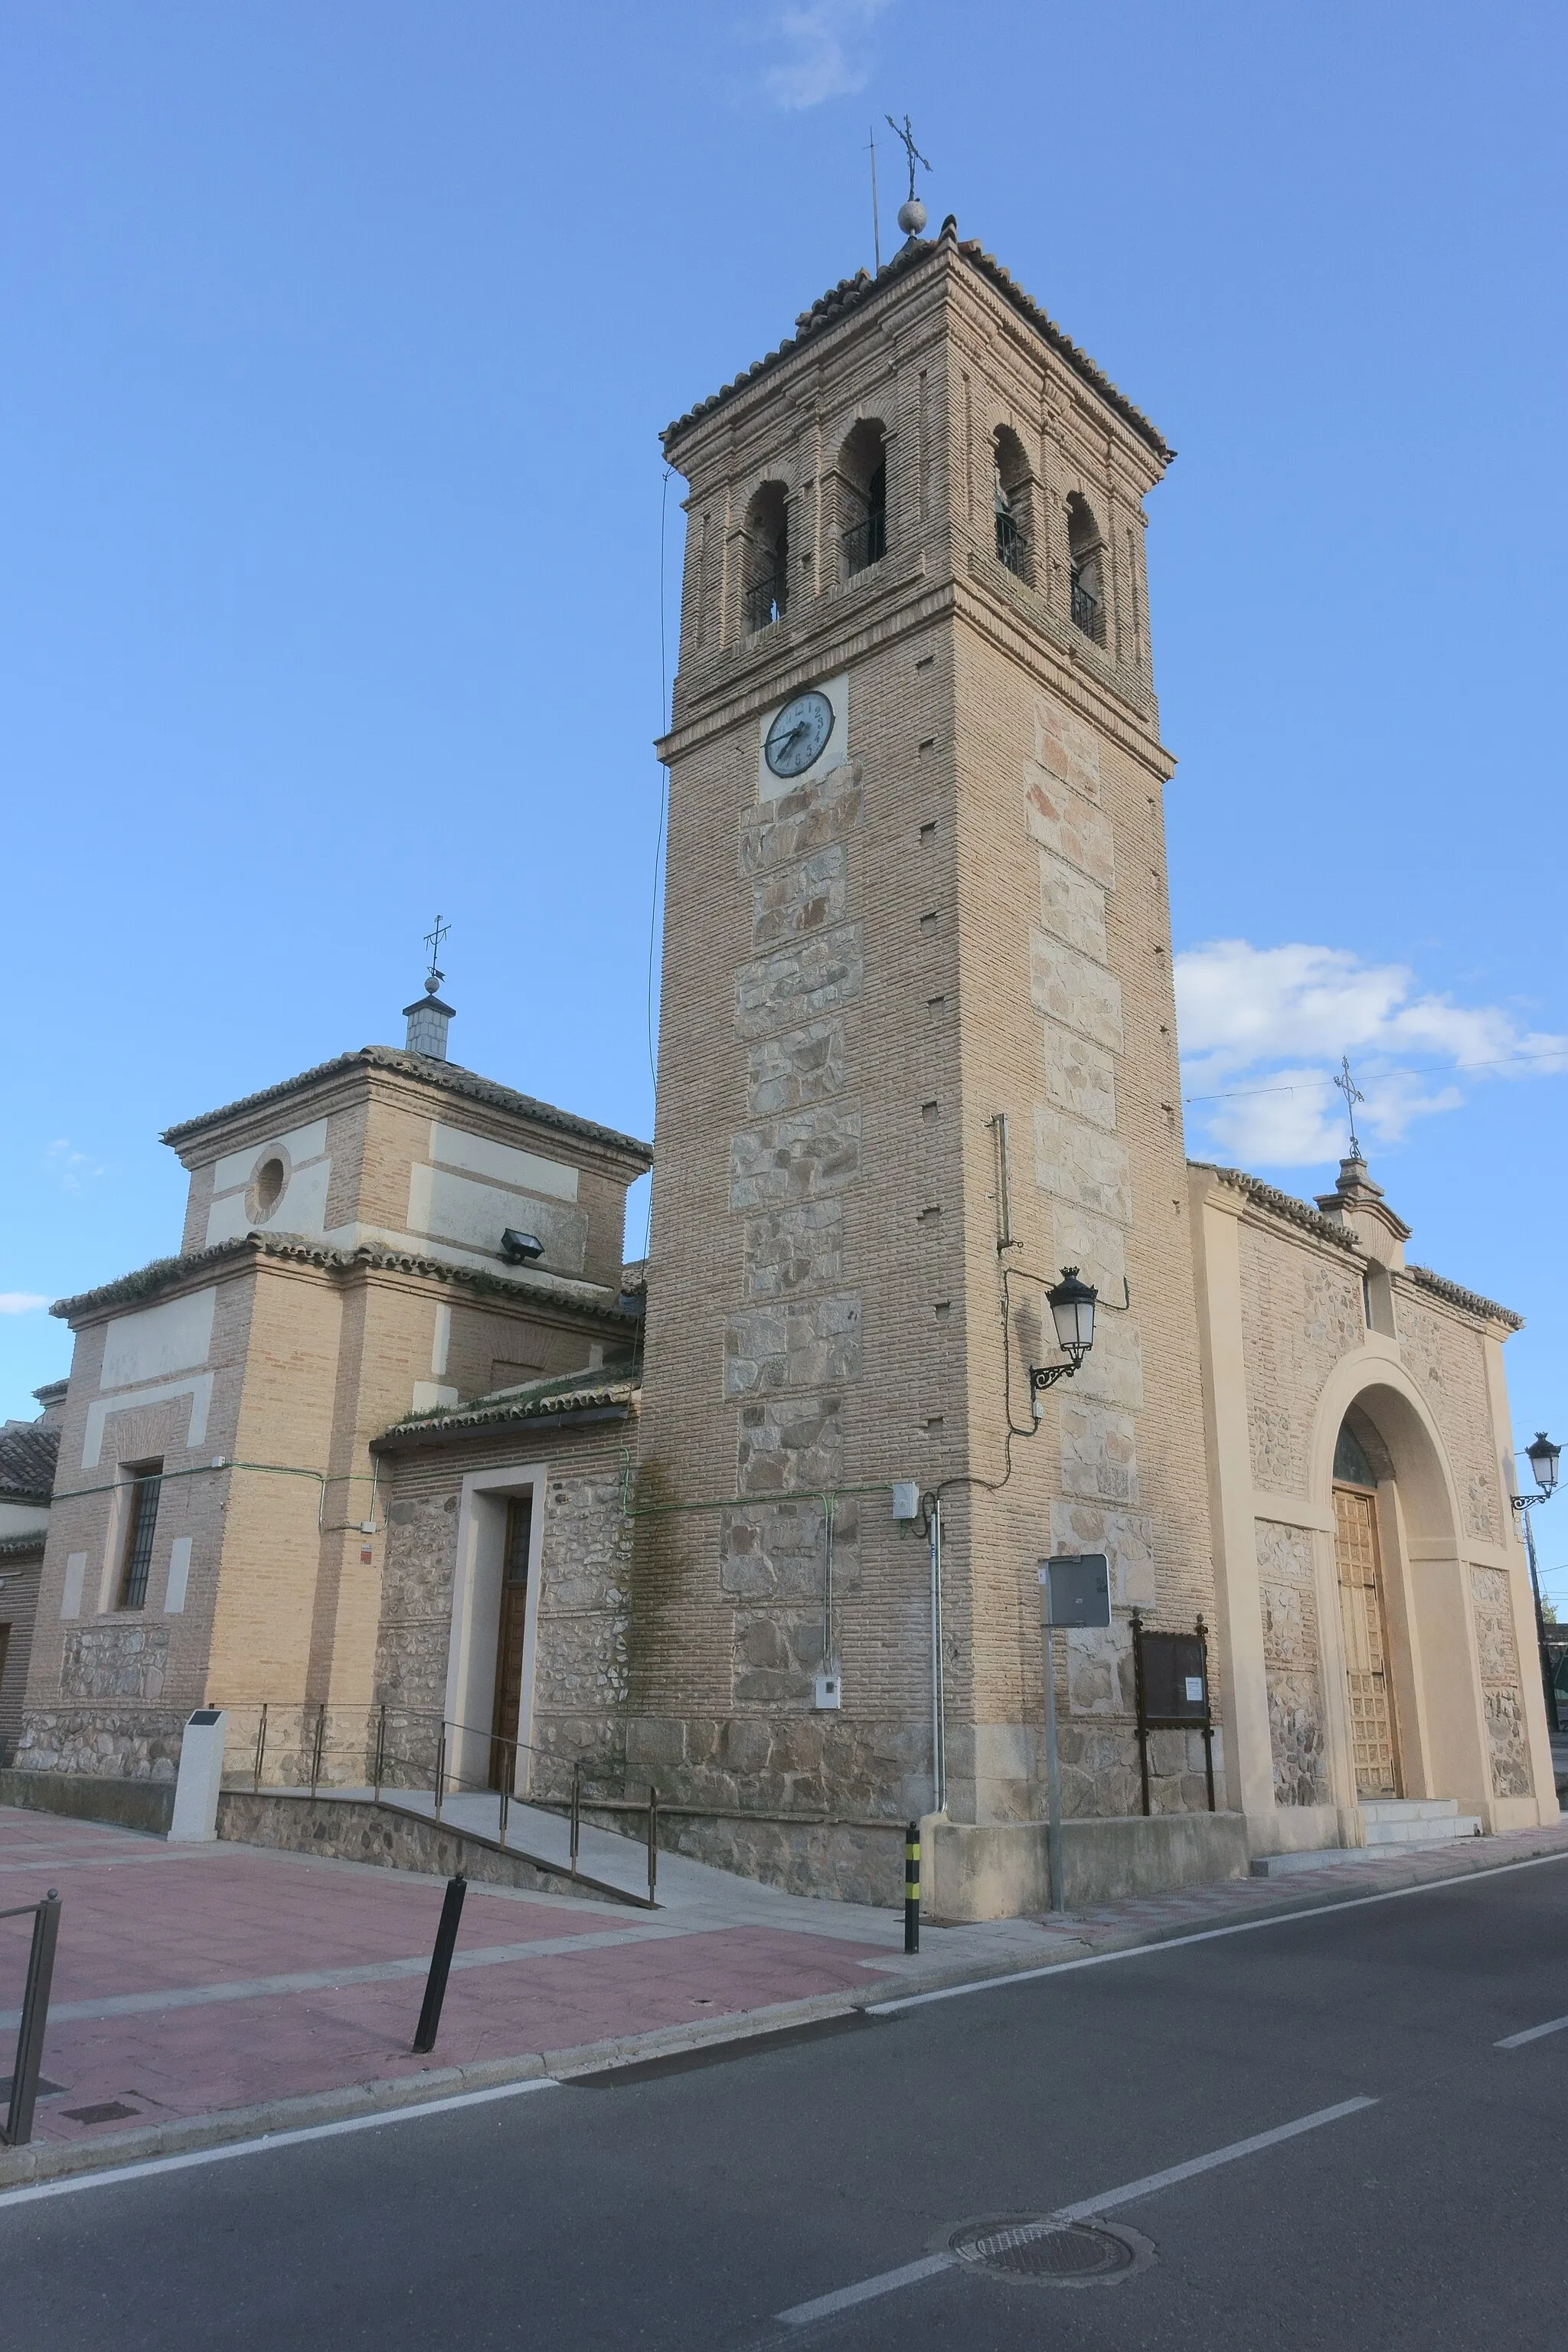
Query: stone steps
x=1387, y=1823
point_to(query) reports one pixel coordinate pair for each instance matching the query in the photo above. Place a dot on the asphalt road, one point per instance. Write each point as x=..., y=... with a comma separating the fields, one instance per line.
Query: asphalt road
x=691, y=2207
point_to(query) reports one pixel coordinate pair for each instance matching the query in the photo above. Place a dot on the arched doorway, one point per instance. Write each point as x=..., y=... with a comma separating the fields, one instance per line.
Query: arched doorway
x=1363, y=1617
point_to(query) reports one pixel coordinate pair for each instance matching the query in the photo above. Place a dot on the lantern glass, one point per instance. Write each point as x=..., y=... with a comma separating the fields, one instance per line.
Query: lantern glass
x=1542, y=1458
x=1071, y=1302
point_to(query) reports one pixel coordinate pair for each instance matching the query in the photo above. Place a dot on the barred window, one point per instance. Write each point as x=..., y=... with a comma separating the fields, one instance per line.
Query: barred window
x=146, y=1479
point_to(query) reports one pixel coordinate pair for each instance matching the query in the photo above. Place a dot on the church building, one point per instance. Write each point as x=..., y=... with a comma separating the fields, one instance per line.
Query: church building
x=397, y=1440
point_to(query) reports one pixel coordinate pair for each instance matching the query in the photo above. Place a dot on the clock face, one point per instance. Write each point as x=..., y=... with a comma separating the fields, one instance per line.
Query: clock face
x=798, y=734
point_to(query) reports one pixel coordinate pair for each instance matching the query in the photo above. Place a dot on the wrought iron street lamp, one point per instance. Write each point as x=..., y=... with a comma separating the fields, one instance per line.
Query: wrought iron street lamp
x=1071, y=1302
x=1543, y=1457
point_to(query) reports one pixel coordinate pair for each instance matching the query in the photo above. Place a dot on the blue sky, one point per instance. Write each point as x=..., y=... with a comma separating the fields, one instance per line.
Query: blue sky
x=338, y=341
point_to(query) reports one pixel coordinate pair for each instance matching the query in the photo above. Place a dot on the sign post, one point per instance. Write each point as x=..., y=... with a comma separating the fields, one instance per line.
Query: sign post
x=1075, y=1589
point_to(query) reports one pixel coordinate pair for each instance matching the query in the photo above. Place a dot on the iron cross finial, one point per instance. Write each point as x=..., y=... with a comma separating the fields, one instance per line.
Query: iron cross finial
x=433, y=938
x=911, y=150
x=1352, y=1095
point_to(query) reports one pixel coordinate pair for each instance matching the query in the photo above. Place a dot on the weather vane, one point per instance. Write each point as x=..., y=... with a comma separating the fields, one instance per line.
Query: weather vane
x=433, y=938
x=1352, y=1095
x=912, y=212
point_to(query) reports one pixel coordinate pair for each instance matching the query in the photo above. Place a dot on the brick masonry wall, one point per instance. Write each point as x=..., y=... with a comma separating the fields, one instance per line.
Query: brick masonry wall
x=966, y=917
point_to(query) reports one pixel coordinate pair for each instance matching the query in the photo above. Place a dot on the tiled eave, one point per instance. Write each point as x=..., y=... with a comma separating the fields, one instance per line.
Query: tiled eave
x=23, y=1547
x=578, y=1396
x=1289, y=1211
x=1468, y=1302
x=449, y=1076
x=535, y=1290
x=853, y=294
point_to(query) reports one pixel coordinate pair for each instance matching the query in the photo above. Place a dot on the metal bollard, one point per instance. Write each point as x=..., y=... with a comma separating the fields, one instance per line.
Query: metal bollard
x=912, y=1887
x=576, y=1810
x=34, y=2016
x=652, y=1842
x=440, y=1964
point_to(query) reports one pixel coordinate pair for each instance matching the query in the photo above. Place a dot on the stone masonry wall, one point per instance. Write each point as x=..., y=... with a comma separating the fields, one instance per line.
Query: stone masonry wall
x=1448, y=1363
x=1301, y=1313
x=1293, y=1663
x=1502, y=1694
x=584, y=1603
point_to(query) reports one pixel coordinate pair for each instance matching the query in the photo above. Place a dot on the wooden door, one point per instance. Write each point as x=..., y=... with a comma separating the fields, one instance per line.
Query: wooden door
x=1366, y=1642
x=509, y=1642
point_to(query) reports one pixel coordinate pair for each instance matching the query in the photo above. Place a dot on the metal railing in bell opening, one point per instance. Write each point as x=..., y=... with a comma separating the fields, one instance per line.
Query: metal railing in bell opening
x=1011, y=544
x=27, y=2064
x=865, y=543
x=1086, y=610
x=766, y=602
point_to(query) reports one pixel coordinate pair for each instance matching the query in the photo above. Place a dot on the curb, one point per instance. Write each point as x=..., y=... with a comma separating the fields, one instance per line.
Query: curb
x=20, y=2168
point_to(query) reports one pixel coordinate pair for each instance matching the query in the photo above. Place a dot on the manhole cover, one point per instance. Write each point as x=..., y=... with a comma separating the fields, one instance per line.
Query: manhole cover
x=1063, y=2253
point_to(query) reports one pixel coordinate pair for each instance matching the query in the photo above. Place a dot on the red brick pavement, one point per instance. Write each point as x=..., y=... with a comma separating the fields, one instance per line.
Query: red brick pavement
x=140, y=1917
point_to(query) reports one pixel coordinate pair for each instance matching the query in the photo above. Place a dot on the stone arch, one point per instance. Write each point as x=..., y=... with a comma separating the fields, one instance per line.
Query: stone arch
x=1434, y=1672
x=861, y=474
x=1014, y=501
x=764, y=557
x=1087, y=563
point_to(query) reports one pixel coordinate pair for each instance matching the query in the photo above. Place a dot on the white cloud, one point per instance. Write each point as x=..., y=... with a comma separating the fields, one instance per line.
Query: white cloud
x=1263, y=1029
x=72, y=1167
x=21, y=1302
x=826, y=54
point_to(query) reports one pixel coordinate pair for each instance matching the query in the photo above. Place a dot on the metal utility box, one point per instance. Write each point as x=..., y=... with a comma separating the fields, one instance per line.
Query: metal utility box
x=1075, y=1589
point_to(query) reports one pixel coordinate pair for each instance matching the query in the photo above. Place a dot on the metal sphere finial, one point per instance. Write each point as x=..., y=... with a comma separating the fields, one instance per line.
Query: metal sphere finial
x=912, y=217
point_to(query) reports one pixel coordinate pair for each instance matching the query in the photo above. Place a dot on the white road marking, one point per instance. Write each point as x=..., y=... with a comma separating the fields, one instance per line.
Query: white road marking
x=826, y=2305
x=823, y=2306
x=1203, y=1936
x=112, y=2179
x=1513, y=2041
x=1107, y=2202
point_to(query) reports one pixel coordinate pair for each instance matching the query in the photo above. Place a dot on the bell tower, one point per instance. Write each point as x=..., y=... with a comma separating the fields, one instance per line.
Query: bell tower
x=918, y=1053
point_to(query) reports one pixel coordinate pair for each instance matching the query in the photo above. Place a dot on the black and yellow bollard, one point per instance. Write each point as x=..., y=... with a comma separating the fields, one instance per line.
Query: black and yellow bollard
x=912, y=1887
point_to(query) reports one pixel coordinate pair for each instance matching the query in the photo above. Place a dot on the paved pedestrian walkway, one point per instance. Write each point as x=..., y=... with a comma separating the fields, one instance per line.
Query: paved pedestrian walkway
x=191, y=1980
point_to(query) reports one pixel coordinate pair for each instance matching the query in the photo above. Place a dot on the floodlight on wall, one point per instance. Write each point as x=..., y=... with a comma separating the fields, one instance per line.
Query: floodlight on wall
x=521, y=1249
x=1072, y=1301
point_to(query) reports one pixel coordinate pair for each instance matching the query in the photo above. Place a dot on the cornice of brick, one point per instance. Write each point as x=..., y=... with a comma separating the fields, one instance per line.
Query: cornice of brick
x=853, y=296
x=1468, y=1302
x=537, y=1289
x=1281, y=1205
x=576, y=1396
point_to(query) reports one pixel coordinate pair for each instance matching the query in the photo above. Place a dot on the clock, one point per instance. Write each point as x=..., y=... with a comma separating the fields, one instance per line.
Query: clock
x=799, y=734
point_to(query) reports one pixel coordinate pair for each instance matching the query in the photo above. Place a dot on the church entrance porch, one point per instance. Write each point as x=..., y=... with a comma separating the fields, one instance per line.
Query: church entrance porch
x=1364, y=1616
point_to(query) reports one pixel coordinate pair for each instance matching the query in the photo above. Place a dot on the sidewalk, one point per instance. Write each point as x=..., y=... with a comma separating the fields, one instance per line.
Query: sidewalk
x=210, y=1992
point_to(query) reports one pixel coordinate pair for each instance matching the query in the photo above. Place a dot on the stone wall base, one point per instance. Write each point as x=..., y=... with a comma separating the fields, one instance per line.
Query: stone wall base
x=351, y=1830
x=1001, y=1870
x=1303, y=1829
x=838, y=1862
x=92, y=1797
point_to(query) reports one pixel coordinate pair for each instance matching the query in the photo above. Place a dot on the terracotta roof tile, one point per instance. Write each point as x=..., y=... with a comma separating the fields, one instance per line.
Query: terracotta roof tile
x=27, y=1455
x=449, y=1076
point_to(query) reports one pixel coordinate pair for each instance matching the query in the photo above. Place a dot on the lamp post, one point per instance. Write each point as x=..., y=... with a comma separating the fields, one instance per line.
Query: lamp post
x=1071, y=1302
x=1543, y=1457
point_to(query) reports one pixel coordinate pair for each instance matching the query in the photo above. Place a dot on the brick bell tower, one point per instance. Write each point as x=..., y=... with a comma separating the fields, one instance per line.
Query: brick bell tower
x=918, y=1053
